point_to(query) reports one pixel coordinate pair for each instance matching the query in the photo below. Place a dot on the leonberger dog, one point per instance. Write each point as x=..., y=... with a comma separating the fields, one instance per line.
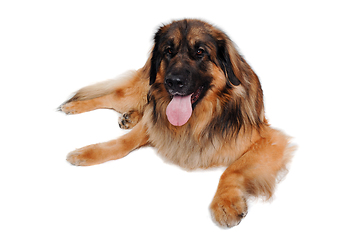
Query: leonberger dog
x=199, y=103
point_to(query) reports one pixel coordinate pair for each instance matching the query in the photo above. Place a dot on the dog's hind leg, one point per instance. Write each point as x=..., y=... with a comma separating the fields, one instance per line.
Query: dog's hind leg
x=124, y=95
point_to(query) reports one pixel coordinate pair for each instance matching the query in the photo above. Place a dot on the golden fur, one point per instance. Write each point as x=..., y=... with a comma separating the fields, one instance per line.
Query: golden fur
x=227, y=126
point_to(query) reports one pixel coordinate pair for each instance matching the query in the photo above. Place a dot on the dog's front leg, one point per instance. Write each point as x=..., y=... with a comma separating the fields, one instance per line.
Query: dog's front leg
x=115, y=149
x=253, y=174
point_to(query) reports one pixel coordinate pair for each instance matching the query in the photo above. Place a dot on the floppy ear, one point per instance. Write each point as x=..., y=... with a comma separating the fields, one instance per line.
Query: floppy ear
x=155, y=57
x=238, y=71
x=230, y=61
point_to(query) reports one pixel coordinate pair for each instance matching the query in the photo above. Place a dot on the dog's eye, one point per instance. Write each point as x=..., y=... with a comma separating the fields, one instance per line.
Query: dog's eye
x=169, y=51
x=200, y=52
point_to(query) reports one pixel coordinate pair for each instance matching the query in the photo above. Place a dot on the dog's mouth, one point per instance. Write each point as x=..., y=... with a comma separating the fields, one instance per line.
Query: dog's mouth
x=196, y=95
x=180, y=107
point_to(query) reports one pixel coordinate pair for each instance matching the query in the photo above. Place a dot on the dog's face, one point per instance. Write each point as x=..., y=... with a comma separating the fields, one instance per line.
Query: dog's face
x=186, y=55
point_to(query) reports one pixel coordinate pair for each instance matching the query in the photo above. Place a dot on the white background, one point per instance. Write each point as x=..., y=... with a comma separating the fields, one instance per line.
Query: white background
x=306, y=54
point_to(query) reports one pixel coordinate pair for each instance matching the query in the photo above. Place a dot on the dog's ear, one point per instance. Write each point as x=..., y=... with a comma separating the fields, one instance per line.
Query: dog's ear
x=155, y=56
x=239, y=72
x=230, y=61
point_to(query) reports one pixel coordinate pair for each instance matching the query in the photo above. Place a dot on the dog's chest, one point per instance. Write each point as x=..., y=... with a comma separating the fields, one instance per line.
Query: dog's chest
x=184, y=150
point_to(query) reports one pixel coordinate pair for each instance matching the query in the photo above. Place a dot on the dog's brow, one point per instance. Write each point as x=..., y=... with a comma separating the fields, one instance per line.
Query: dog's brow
x=208, y=44
x=169, y=42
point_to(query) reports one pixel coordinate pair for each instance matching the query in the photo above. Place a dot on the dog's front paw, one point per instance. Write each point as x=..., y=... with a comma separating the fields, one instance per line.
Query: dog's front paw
x=128, y=120
x=228, y=208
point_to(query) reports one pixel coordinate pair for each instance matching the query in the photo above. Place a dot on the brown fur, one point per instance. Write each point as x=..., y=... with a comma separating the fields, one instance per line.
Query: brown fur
x=227, y=126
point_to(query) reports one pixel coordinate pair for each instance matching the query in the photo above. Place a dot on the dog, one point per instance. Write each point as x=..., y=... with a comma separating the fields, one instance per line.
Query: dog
x=199, y=103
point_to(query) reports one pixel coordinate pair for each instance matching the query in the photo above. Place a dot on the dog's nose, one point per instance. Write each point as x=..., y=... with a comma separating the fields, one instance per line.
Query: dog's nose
x=175, y=83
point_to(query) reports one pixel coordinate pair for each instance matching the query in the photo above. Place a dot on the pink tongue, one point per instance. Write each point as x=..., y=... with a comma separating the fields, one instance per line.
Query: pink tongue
x=179, y=110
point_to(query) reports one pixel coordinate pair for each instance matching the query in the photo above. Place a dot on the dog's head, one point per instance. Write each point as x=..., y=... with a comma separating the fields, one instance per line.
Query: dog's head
x=190, y=57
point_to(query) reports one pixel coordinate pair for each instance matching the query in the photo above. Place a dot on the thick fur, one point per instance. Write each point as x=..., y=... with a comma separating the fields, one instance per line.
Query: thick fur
x=227, y=126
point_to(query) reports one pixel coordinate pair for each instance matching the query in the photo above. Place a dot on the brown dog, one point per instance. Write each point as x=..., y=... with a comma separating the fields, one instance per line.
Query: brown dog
x=200, y=105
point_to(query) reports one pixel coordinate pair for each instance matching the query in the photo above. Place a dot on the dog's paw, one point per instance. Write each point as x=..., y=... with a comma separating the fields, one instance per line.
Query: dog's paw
x=128, y=120
x=82, y=156
x=70, y=108
x=228, y=209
